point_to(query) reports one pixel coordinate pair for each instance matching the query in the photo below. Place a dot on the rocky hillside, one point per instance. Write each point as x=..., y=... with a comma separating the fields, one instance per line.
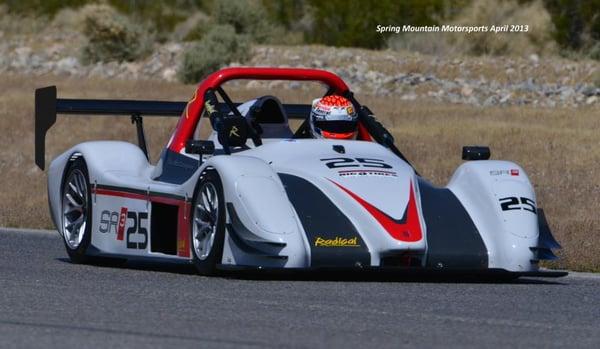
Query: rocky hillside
x=479, y=81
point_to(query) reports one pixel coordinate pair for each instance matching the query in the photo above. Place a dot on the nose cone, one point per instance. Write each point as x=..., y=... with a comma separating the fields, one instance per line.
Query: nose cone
x=407, y=227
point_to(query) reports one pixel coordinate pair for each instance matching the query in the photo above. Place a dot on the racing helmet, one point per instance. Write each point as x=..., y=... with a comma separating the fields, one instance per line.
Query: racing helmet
x=333, y=117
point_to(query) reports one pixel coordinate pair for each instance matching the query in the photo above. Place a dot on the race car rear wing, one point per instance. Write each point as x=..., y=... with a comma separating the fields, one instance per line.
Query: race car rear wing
x=47, y=106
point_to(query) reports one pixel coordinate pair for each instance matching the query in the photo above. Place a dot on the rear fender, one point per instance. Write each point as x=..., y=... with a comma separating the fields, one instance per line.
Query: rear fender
x=501, y=201
x=100, y=157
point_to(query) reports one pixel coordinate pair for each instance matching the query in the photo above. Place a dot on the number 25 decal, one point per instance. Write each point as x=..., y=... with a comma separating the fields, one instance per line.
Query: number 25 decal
x=357, y=162
x=137, y=229
x=515, y=203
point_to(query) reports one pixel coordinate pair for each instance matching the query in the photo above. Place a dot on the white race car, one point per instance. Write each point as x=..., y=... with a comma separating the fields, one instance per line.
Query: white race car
x=257, y=194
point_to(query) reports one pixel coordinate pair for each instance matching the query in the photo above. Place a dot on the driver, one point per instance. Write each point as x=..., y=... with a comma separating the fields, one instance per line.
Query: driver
x=333, y=117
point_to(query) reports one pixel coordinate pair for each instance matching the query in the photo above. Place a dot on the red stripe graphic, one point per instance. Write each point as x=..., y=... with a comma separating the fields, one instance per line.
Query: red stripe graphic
x=407, y=229
x=124, y=194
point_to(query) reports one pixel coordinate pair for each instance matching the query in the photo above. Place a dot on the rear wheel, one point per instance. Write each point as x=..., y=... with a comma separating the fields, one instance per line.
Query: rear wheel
x=76, y=209
x=208, y=223
x=77, y=216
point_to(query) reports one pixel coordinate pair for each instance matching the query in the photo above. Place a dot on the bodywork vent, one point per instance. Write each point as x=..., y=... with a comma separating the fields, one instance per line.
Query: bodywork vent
x=164, y=228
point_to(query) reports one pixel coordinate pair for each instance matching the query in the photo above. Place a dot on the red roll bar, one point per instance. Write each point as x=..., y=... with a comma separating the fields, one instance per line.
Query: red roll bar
x=189, y=119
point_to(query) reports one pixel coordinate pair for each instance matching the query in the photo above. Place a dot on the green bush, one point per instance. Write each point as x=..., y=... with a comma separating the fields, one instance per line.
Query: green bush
x=538, y=39
x=354, y=23
x=23, y=24
x=112, y=36
x=219, y=46
x=594, y=52
x=596, y=78
x=199, y=29
x=577, y=22
x=287, y=13
x=163, y=16
x=41, y=7
x=247, y=17
x=250, y=18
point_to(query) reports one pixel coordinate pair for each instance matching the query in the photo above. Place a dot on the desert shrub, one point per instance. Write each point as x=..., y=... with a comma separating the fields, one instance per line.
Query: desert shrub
x=295, y=18
x=537, y=40
x=163, y=16
x=111, y=36
x=247, y=17
x=354, y=23
x=22, y=23
x=68, y=19
x=594, y=53
x=219, y=46
x=41, y=7
x=596, y=78
x=287, y=13
x=577, y=23
x=198, y=27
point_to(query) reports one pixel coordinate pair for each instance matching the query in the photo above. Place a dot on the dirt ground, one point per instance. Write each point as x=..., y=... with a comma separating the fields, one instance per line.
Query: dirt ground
x=557, y=147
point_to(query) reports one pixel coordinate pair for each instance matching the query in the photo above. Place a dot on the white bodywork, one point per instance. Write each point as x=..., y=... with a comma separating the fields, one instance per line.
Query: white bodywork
x=252, y=184
x=479, y=186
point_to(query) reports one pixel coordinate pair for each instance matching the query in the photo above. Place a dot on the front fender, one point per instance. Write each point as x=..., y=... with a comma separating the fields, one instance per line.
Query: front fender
x=260, y=202
x=501, y=201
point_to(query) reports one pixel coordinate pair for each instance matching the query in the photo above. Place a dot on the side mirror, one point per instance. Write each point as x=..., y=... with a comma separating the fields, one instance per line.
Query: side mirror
x=199, y=147
x=474, y=152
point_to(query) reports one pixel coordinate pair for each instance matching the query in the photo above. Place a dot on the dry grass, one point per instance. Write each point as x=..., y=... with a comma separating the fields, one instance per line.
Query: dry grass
x=558, y=148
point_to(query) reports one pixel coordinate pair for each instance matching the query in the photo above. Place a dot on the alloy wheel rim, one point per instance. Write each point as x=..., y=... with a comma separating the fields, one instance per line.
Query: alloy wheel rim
x=75, y=203
x=206, y=213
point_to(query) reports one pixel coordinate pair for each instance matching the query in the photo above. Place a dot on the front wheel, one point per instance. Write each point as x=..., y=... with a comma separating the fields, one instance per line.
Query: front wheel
x=208, y=223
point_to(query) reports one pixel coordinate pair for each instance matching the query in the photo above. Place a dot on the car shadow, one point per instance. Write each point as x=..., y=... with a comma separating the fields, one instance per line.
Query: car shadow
x=165, y=267
x=354, y=275
x=385, y=276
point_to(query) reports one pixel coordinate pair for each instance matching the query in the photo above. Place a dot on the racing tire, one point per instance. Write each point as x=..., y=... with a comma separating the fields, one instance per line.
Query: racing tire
x=208, y=223
x=76, y=200
x=76, y=207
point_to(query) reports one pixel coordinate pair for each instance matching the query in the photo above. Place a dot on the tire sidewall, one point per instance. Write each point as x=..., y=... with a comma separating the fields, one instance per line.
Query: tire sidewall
x=78, y=255
x=208, y=265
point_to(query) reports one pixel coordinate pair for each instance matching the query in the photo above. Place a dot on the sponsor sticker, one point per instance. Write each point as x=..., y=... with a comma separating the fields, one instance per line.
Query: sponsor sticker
x=234, y=132
x=181, y=246
x=499, y=173
x=353, y=173
x=336, y=242
x=187, y=106
x=322, y=109
x=512, y=172
x=122, y=220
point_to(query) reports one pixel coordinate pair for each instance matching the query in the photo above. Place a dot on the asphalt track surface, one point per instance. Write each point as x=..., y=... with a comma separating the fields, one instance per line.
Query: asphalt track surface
x=49, y=302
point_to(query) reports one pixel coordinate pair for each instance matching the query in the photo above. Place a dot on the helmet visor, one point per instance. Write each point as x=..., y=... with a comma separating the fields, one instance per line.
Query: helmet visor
x=336, y=126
